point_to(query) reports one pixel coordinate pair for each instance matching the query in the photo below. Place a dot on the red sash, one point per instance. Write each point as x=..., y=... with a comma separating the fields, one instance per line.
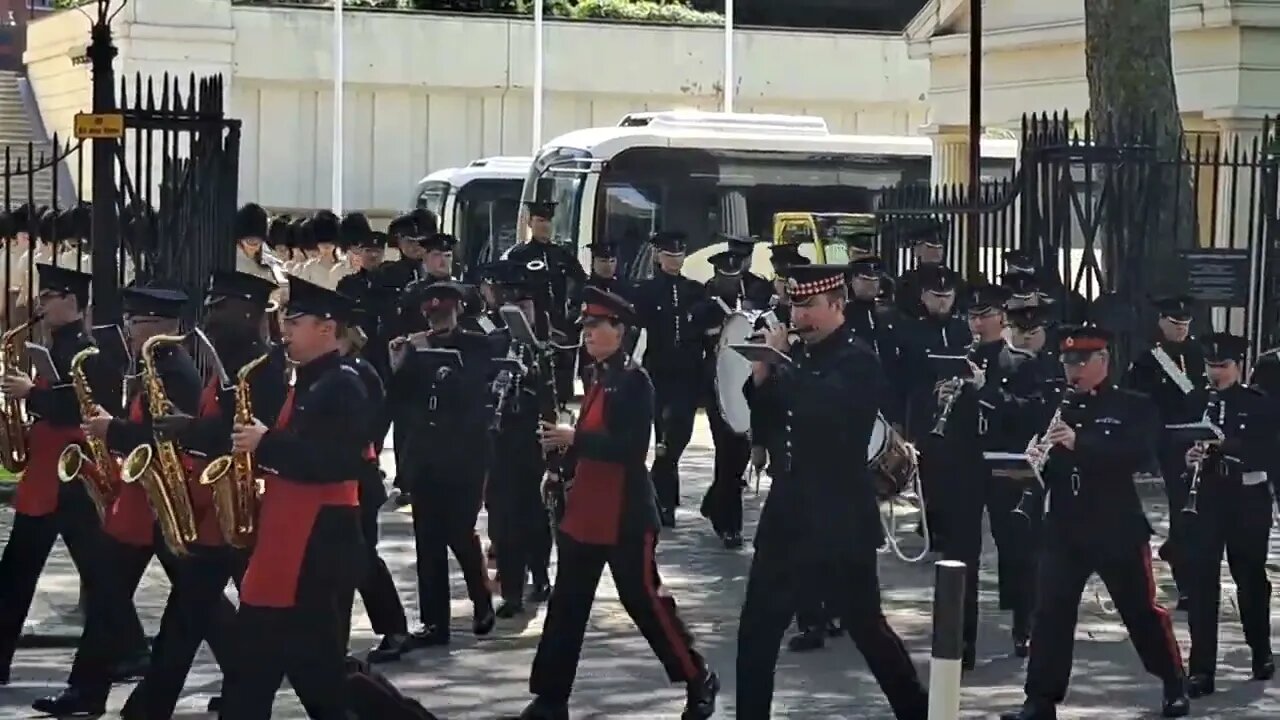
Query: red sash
x=286, y=519
x=37, y=493
x=594, y=504
x=129, y=519
x=208, y=531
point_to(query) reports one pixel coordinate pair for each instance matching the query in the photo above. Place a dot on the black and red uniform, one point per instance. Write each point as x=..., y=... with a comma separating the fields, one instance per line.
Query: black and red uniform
x=611, y=519
x=197, y=609
x=46, y=508
x=297, y=592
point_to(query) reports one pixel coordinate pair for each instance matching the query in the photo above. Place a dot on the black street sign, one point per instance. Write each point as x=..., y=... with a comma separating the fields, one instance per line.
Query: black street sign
x=1218, y=277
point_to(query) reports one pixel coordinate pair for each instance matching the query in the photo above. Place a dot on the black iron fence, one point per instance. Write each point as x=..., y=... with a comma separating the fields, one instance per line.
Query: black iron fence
x=1118, y=223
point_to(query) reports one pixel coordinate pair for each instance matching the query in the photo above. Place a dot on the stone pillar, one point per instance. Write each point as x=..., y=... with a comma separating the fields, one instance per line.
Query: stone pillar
x=1235, y=225
x=950, y=154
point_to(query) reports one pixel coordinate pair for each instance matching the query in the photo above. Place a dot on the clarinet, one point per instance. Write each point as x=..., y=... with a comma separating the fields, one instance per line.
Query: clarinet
x=1038, y=444
x=506, y=385
x=1197, y=470
x=553, y=495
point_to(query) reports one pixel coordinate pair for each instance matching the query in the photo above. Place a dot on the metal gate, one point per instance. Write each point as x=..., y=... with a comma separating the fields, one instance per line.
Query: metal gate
x=1093, y=214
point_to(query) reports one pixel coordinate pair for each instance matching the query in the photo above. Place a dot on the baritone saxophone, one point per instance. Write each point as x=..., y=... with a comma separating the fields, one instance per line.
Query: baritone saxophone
x=98, y=470
x=235, y=489
x=159, y=468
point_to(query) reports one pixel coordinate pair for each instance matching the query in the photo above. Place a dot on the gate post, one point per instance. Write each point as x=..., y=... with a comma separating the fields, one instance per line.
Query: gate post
x=106, y=231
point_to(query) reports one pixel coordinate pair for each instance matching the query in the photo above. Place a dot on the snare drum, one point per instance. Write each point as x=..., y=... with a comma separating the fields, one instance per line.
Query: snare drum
x=890, y=459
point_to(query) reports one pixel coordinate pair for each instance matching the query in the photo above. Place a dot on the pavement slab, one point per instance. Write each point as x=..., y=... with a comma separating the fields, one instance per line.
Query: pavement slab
x=620, y=678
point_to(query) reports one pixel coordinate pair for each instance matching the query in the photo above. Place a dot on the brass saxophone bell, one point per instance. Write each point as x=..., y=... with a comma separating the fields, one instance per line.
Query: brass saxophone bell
x=135, y=465
x=70, y=461
x=216, y=470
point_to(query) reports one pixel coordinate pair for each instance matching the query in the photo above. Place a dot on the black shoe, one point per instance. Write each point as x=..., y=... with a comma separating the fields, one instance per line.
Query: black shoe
x=391, y=648
x=1032, y=710
x=541, y=591
x=731, y=540
x=508, y=609
x=812, y=639
x=1264, y=666
x=834, y=629
x=215, y=703
x=1021, y=645
x=700, y=702
x=1176, y=703
x=133, y=667
x=483, y=620
x=541, y=709
x=668, y=517
x=71, y=703
x=429, y=636
x=1183, y=605
x=968, y=659
x=1199, y=685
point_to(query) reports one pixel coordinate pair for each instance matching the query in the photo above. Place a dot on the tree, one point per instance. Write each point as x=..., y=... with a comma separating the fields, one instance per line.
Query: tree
x=1132, y=96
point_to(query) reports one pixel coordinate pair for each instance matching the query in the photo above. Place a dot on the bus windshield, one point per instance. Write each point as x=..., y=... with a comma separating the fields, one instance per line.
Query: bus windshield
x=486, y=221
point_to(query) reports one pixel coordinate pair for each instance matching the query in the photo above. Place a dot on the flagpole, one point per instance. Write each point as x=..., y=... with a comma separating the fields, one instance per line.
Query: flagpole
x=537, y=75
x=339, y=73
x=729, y=76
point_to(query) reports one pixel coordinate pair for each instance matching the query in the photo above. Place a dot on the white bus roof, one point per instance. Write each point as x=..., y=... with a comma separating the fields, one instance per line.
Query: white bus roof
x=695, y=129
x=494, y=168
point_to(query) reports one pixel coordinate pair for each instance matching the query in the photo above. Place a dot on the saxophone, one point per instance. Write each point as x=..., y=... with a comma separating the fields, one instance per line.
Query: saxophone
x=13, y=416
x=159, y=469
x=97, y=468
x=235, y=490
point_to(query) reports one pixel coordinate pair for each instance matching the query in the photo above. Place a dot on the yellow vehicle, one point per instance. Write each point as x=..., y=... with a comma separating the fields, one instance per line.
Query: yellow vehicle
x=822, y=237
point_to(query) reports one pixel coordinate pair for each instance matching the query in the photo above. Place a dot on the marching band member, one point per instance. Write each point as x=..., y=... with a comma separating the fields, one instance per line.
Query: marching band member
x=130, y=521
x=989, y=415
x=756, y=291
x=815, y=523
x=1232, y=512
x=603, y=275
x=518, y=521
x=564, y=276
x=298, y=589
x=440, y=406
x=1096, y=523
x=1168, y=373
x=875, y=324
x=236, y=303
x=364, y=287
x=44, y=508
x=928, y=246
x=377, y=588
x=610, y=519
x=722, y=504
x=1266, y=377
x=673, y=358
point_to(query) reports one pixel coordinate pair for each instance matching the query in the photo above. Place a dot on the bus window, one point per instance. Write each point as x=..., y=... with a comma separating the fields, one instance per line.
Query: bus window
x=432, y=197
x=486, y=221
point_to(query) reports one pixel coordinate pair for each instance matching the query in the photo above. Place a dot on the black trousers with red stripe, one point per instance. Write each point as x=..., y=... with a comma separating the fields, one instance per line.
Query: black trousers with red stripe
x=652, y=609
x=1065, y=568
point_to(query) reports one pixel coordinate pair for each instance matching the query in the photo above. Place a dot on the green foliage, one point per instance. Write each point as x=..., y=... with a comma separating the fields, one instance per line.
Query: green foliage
x=658, y=11
x=64, y=4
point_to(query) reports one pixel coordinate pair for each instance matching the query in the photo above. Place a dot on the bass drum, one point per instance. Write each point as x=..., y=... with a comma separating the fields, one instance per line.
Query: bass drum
x=732, y=372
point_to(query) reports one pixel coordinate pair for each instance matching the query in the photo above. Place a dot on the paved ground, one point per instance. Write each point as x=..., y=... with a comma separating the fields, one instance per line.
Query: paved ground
x=620, y=678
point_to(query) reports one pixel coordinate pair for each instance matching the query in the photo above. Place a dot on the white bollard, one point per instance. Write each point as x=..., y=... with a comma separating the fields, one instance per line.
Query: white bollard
x=948, y=640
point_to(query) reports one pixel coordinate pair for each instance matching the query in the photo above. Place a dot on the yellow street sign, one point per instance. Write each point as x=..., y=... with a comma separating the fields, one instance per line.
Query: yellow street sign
x=101, y=125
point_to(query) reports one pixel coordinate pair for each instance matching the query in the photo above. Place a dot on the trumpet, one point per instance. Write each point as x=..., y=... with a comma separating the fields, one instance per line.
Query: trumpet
x=14, y=427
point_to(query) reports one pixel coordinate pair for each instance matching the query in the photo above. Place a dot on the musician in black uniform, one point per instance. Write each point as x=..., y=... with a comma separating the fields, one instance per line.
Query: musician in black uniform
x=376, y=302
x=1266, y=377
x=603, y=275
x=928, y=246
x=564, y=275
x=876, y=323
x=518, y=520
x=819, y=522
x=1096, y=523
x=447, y=410
x=44, y=508
x=1232, y=512
x=237, y=303
x=755, y=289
x=1168, y=373
x=987, y=413
x=940, y=332
x=722, y=504
x=298, y=589
x=1033, y=284
x=133, y=537
x=610, y=519
x=666, y=305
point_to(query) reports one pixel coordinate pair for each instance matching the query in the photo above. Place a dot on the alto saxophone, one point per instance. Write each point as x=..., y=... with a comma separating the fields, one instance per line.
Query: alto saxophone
x=13, y=417
x=235, y=489
x=97, y=469
x=159, y=469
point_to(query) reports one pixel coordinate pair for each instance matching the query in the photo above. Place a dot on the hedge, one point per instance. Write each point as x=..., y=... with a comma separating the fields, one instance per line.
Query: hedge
x=681, y=12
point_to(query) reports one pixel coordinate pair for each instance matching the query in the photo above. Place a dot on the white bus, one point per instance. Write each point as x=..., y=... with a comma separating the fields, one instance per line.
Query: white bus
x=707, y=173
x=478, y=204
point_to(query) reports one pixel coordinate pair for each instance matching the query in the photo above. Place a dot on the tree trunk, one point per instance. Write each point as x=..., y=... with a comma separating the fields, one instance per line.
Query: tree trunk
x=1133, y=100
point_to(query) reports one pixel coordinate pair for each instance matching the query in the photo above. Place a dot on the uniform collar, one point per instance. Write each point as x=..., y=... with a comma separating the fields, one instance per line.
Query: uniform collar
x=71, y=330
x=314, y=369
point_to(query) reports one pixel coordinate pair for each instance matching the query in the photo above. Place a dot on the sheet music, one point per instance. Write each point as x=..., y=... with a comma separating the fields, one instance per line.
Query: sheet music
x=42, y=361
x=519, y=326
x=442, y=356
